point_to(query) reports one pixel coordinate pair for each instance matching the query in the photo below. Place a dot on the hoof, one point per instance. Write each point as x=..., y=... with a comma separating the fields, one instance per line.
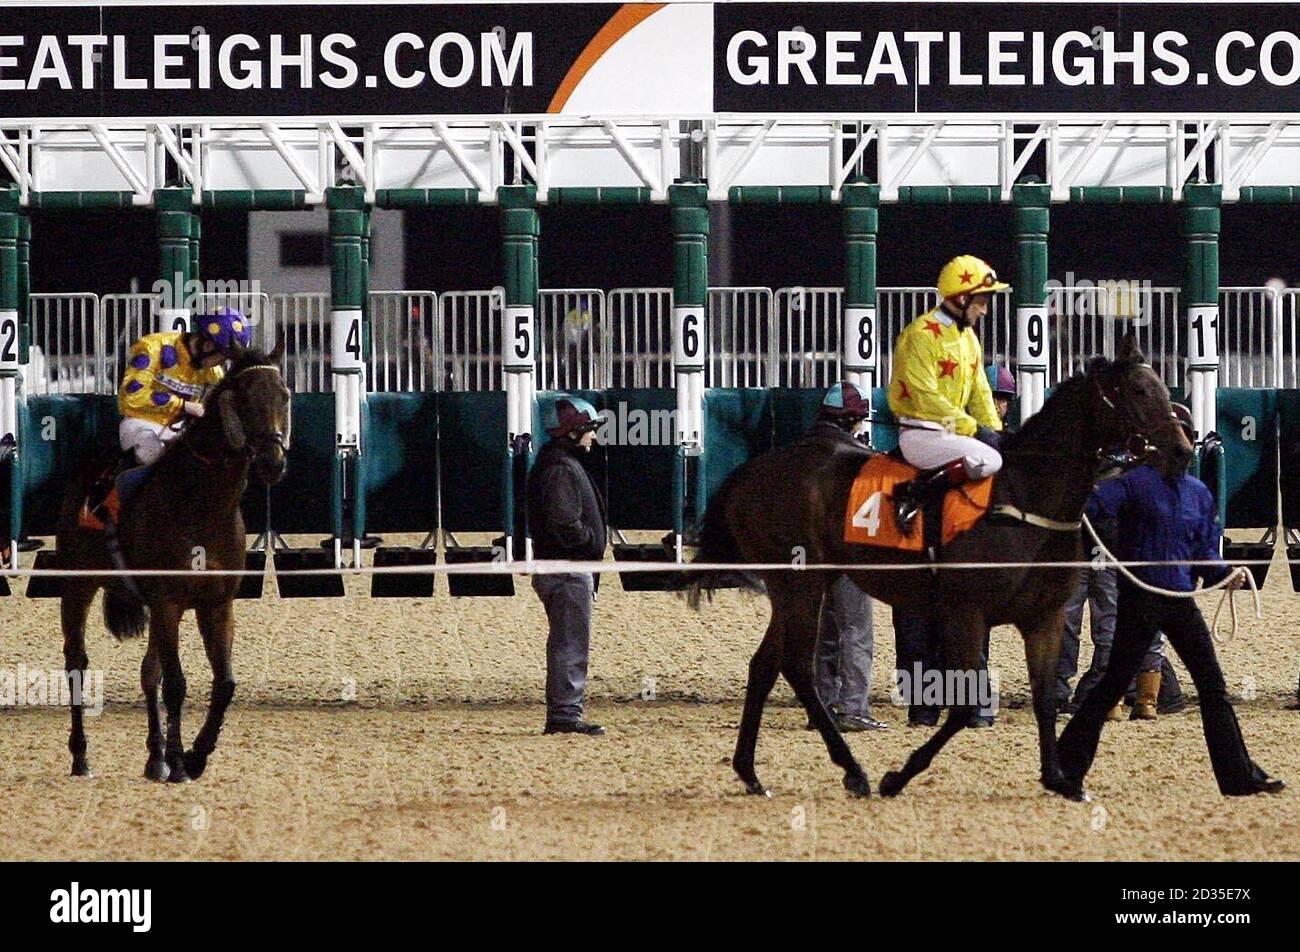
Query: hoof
x=176, y=768
x=157, y=771
x=195, y=764
x=857, y=785
x=756, y=789
x=81, y=768
x=1070, y=789
x=891, y=784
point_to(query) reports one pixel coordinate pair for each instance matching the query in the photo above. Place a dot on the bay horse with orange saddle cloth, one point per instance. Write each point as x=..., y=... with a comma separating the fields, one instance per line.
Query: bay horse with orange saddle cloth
x=1034, y=508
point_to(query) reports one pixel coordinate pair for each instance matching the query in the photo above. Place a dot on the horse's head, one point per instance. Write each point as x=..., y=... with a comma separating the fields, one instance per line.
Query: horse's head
x=1131, y=408
x=254, y=407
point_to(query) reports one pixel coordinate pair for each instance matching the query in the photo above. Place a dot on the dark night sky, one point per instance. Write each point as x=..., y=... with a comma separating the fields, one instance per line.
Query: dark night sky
x=458, y=248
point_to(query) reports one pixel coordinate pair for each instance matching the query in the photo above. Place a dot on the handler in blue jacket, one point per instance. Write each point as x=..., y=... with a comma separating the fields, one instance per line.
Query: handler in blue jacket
x=1164, y=516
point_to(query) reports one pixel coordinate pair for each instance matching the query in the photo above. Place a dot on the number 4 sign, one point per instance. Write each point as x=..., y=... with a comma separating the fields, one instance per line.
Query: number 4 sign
x=345, y=339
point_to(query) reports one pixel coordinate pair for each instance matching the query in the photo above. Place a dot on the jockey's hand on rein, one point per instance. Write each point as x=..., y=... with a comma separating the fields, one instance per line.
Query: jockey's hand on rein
x=194, y=408
x=989, y=436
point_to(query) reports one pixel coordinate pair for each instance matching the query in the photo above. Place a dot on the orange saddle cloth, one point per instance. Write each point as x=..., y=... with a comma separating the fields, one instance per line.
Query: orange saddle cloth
x=869, y=517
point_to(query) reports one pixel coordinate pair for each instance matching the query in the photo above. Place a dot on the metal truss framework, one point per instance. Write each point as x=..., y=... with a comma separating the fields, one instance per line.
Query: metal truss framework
x=644, y=155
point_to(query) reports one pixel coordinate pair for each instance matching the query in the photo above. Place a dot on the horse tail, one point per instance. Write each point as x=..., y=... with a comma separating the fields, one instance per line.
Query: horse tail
x=125, y=615
x=717, y=543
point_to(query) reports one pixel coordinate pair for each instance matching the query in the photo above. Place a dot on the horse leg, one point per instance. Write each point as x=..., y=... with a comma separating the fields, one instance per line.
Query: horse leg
x=797, y=667
x=155, y=767
x=73, y=609
x=763, y=669
x=217, y=625
x=164, y=640
x=963, y=641
x=1042, y=651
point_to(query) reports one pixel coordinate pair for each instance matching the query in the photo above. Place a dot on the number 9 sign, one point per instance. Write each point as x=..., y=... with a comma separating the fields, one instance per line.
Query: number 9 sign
x=1031, y=344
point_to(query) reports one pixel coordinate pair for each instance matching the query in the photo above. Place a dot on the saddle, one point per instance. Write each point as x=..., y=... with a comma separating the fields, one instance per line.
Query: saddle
x=116, y=485
x=869, y=515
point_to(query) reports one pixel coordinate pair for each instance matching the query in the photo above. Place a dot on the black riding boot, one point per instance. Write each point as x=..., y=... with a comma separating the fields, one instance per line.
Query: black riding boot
x=911, y=497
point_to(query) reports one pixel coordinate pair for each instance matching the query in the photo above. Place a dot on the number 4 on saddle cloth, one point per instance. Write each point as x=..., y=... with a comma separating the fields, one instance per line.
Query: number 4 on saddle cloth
x=869, y=516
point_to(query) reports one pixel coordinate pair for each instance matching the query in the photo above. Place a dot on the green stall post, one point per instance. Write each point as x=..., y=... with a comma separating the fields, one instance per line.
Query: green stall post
x=690, y=226
x=11, y=335
x=1200, y=296
x=1030, y=200
x=861, y=348
x=175, y=233
x=520, y=229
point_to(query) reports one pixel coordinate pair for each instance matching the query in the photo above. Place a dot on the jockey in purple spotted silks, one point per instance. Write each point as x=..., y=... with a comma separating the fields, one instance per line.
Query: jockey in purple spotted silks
x=166, y=376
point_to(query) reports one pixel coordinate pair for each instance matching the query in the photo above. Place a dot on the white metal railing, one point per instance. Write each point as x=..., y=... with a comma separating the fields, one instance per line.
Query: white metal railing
x=1252, y=337
x=405, y=346
x=1091, y=320
x=571, y=339
x=808, y=336
x=640, y=337
x=126, y=318
x=741, y=338
x=1288, y=338
x=470, y=323
x=67, y=353
x=302, y=320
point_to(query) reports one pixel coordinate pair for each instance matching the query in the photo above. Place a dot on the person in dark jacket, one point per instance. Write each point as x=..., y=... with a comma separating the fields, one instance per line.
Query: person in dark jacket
x=845, y=636
x=566, y=520
x=1164, y=515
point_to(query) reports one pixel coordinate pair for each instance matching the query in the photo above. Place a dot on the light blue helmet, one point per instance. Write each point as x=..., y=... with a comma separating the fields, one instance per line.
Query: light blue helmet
x=568, y=413
x=844, y=401
x=1000, y=381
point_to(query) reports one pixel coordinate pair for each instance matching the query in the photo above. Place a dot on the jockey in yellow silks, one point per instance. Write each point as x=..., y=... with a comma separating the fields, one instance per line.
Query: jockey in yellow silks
x=166, y=376
x=948, y=424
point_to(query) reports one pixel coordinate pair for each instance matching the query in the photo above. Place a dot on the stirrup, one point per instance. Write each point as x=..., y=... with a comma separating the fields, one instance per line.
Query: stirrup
x=907, y=506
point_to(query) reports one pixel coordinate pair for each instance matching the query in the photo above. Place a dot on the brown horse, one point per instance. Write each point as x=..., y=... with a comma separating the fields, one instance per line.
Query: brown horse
x=187, y=515
x=1049, y=470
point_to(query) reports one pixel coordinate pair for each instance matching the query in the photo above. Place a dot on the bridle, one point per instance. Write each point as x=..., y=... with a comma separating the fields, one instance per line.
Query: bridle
x=1139, y=433
x=257, y=443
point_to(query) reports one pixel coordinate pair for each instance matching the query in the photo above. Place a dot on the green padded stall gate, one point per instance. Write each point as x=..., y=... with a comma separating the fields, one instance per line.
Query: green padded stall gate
x=737, y=427
x=303, y=502
x=1247, y=424
x=640, y=462
x=472, y=460
x=61, y=434
x=400, y=449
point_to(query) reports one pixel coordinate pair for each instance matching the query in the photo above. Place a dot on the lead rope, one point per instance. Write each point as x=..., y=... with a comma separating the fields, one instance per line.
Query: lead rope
x=1227, y=596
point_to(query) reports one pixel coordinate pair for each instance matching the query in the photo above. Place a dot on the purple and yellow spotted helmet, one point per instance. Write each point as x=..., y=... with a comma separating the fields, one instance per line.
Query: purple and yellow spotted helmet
x=228, y=329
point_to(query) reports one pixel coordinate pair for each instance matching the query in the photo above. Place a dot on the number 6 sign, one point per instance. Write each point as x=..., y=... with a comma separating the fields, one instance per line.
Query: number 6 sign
x=688, y=337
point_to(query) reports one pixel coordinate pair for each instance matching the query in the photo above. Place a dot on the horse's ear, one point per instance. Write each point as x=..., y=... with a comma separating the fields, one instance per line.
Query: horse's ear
x=1095, y=365
x=1129, y=351
x=277, y=351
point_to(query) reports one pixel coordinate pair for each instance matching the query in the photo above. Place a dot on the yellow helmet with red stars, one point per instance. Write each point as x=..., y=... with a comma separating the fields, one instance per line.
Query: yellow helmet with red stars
x=966, y=274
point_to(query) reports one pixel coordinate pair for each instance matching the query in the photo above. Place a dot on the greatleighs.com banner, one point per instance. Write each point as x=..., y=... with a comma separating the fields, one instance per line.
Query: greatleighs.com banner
x=339, y=60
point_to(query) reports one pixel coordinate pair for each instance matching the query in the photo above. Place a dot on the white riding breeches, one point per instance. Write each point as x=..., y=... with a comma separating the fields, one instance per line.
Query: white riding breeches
x=926, y=445
x=145, y=438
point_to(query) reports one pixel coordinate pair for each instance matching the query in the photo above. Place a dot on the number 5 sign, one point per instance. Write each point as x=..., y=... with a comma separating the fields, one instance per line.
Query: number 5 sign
x=520, y=346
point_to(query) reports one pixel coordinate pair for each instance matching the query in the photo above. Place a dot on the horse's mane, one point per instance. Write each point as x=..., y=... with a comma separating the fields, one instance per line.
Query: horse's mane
x=1038, y=424
x=249, y=358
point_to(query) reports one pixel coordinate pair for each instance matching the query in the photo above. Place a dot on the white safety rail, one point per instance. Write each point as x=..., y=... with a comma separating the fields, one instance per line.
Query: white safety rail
x=741, y=348
x=67, y=353
x=1091, y=320
x=126, y=318
x=405, y=346
x=1253, y=350
x=640, y=337
x=302, y=320
x=478, y=153
x=470, y=322
x=1289, y=349
x=896, y=307
x=571, y=339
x=807, y=336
